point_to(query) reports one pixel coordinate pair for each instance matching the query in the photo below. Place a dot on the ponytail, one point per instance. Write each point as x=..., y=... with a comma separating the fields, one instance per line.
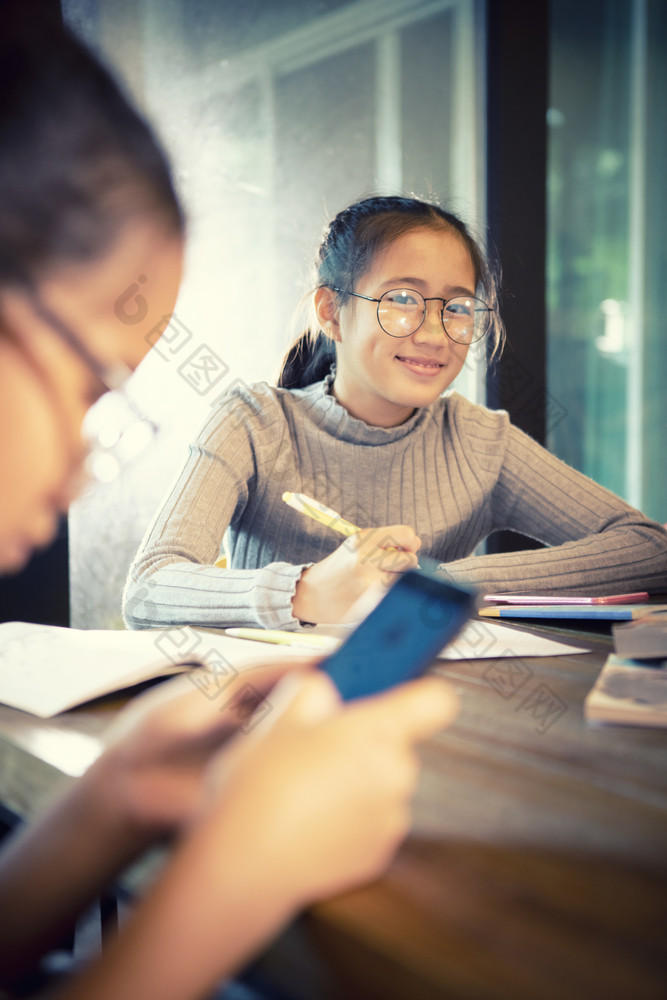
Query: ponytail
x=308, y=360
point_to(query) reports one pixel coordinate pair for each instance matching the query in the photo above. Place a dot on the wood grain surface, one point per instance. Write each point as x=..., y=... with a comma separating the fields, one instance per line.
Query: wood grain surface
x=537, y=864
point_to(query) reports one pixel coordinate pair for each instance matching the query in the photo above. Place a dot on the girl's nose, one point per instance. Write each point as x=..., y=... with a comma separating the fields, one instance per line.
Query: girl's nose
x=432, y=324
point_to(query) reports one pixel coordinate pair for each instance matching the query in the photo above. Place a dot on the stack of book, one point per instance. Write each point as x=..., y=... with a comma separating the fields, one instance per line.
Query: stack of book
x=632, y=686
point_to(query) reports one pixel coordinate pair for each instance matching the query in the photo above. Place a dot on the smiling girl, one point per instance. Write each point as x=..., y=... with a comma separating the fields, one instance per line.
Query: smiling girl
x=360, y=421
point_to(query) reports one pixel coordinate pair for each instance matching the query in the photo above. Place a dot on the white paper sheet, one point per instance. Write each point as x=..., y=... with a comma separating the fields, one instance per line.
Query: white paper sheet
x=45, y=670
x=483, y=639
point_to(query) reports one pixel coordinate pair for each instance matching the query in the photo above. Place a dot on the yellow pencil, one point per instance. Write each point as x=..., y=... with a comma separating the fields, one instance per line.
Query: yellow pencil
x=318, y=512
x=330, y=518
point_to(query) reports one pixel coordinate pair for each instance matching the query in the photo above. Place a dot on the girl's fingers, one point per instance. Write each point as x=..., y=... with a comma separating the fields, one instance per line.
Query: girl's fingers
x=179, y=706
x=415, y=710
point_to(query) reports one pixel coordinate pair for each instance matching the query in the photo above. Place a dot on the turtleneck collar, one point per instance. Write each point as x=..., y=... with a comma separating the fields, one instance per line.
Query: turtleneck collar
x=333, y=418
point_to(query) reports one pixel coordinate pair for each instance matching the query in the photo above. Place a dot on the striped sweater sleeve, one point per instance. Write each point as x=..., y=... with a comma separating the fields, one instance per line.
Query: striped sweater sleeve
x=173, y=579
x=595, y=541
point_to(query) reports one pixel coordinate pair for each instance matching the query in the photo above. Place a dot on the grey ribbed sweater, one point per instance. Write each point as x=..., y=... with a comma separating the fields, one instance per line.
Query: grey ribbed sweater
x=454, y=471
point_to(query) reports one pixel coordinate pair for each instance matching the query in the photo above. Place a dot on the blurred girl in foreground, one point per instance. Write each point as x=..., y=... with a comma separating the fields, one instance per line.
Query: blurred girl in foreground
x=308, y=804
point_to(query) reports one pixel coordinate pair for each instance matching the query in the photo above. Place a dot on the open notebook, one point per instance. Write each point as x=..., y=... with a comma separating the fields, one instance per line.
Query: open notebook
x=45, y=669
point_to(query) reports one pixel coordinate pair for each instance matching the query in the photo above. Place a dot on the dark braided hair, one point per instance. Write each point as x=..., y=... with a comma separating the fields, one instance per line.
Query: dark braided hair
x=351, y=242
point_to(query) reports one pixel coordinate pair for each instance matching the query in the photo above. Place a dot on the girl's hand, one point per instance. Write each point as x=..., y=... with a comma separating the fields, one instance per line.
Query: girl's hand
x=316, y=799
x=159, y=747
x=327, y=590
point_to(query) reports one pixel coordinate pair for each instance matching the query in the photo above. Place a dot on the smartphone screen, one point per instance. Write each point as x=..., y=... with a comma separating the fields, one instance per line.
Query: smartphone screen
x=400, y=637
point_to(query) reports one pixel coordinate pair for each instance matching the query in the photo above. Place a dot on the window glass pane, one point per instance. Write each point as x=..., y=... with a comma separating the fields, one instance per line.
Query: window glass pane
x=654, y=410
x=323, y=156
x=607, y=353
x=276, y=116
x=428, y=111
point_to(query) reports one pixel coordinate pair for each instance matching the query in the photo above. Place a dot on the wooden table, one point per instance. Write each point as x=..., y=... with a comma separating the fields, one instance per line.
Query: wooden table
x=537, y=867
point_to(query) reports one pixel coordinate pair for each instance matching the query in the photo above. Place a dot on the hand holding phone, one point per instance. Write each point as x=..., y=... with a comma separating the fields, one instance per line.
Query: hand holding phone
x=401, y=636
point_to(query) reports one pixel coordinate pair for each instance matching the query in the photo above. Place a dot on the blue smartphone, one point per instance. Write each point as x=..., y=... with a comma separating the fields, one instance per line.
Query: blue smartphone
x=401, y=636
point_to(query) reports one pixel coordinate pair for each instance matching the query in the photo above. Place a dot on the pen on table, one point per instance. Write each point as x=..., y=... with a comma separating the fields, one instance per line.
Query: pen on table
x=280, y=638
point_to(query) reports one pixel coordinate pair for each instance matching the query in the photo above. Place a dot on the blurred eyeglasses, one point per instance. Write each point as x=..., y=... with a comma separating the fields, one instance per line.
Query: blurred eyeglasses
x=401, y=311
x=115, y=430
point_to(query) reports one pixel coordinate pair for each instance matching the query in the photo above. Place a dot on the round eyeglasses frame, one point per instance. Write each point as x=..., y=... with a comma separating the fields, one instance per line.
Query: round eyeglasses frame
x=116, y=446
x=434, y=298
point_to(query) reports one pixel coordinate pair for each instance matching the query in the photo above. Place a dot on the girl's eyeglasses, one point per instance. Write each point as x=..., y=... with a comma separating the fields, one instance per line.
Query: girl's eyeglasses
x=401, y=311
x=115, y=430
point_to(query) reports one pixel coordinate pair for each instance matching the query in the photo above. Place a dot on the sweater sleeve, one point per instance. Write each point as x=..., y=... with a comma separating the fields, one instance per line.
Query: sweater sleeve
x=595, y=541
x=173, y=579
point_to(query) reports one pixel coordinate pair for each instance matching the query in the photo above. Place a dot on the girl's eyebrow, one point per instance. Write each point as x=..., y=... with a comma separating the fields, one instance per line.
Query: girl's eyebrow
x=419, y=283
x=403, y=283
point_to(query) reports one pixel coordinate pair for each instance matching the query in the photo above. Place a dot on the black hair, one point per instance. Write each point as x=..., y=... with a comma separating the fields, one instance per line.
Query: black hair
x=77, y=162
x=348, y=250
